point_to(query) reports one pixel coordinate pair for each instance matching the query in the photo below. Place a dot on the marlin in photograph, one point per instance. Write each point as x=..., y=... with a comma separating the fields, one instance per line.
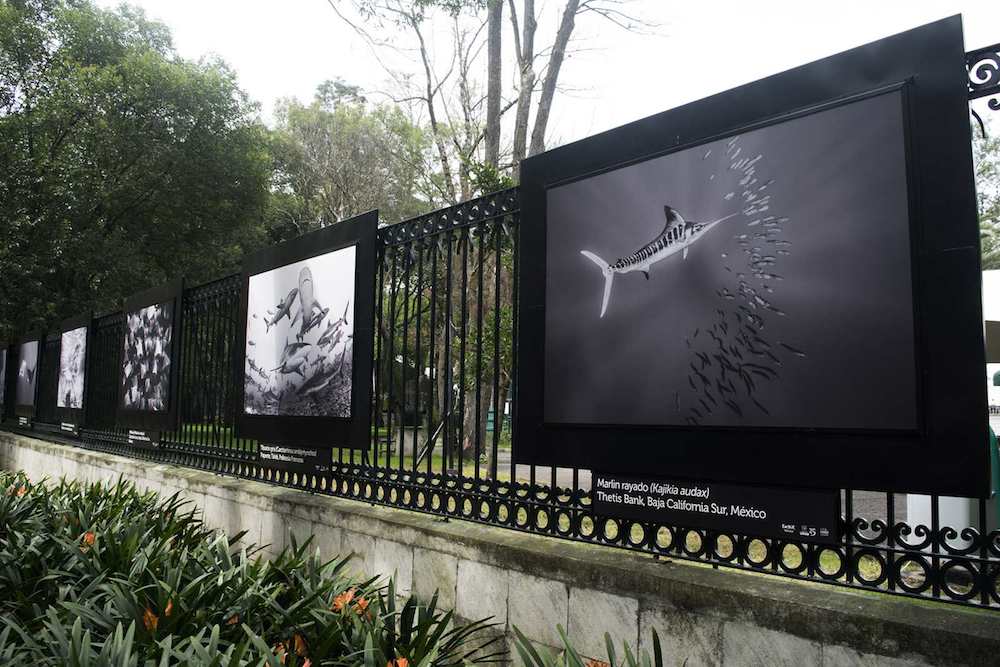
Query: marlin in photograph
x=677, y=236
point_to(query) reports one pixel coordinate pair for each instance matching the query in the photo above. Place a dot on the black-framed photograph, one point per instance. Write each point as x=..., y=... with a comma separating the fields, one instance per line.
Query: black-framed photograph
x=4, y=353
x=764, y=286
x=149, y=366
x=307, y=338
x=29, y=352
x=74, y=340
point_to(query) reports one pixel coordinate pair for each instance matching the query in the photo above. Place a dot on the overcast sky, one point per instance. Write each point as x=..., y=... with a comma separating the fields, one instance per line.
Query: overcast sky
x=285, y=48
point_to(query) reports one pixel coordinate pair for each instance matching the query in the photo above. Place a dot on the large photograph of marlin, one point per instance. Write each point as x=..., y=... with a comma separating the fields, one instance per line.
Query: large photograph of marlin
x=146, y=362
x=763, y=279
x=300, y=331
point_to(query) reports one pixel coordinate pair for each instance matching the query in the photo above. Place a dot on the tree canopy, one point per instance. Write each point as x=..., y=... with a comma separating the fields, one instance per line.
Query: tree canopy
x=121, y=164
x=340, y=156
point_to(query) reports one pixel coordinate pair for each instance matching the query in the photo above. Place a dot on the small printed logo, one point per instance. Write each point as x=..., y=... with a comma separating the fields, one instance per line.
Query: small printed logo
x=788, y=527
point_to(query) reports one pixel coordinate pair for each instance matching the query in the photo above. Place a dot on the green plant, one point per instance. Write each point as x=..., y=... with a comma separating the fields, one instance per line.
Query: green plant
x=540, y=656
x=94, y=575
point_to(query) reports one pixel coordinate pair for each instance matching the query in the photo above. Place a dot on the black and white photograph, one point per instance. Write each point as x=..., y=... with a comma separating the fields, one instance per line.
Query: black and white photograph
x=3, y=376
x=146, y=359
x=300, y=338
x=27, y=373
x=72, y=367
x=762, y=279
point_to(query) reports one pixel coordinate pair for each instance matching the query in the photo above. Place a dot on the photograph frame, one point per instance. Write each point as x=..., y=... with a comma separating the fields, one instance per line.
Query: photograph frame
x=5, y=387
x=154, y=420
x=928, y=64
x=323, y=432
x=20, y=409
x=76, y=416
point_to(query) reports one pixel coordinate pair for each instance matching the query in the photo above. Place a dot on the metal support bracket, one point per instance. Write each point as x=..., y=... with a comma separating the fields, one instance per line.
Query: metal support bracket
x=983, y=68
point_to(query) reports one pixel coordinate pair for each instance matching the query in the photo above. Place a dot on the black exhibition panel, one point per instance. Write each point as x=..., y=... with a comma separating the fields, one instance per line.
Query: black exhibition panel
x=624, y=382
x=149, y=359
x=304, y=395
x=74, y=350
x=25, y=372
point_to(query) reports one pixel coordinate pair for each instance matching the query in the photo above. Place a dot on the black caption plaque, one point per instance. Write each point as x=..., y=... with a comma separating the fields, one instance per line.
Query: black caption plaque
x=144, y=439
x=782, y=513
x=306, y=460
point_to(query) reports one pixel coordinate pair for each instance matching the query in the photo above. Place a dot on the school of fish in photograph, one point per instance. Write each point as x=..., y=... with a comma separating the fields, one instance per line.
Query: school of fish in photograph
x=733, y=356
x=146, y=362
x=310, y=372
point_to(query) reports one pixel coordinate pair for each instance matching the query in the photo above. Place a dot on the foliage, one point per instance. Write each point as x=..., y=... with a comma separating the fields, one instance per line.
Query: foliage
x=340, y=156
x=986, y=153
x=533, y=656
x=121, y=164
x=109, y=575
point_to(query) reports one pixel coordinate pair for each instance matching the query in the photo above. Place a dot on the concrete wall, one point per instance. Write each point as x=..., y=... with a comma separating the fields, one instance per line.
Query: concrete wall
x=703, y=616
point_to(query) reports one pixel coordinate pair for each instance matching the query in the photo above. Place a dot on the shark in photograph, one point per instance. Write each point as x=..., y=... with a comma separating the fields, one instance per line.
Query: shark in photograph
x=296, y=350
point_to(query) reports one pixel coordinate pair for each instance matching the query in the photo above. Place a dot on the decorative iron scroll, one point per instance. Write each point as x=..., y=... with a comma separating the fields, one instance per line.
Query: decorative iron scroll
x=983, y=66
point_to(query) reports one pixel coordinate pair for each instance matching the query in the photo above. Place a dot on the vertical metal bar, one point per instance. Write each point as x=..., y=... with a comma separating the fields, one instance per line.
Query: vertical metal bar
x=479, y=352
x=390, y=359
x=464, y=240
x=983, y=571
x=418, y=356
x=515, y=261
x=404, y=394
x=379, y=348
x=449, y=380
x=935, y=536
x=431, y=359
x=849, y=536
x=497, y=415
x=890, y=553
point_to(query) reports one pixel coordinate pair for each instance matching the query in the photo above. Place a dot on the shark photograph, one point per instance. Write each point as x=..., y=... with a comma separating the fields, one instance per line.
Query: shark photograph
x=27, y=375
x=146, y=360
x=300, y=338
x=72, y=367
x=761, y=279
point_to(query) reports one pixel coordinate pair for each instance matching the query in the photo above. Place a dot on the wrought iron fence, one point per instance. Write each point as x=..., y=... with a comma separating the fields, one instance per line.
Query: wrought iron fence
x=445, y=353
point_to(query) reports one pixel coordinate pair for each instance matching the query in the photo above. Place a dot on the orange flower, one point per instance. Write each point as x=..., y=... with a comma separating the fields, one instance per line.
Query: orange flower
x=150, y=620
x=21, y=491
x=170, y=608
x=233, y=620
x=279, y=650
x=398, y=662
x=87, y=540
x=307, y=663
x=300, y=645
x=596, y=663
x=343, y=600
x=360, y=606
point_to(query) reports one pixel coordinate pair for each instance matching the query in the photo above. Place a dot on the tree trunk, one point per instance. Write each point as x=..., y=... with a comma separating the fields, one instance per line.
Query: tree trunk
x=430, y=93
x=493, y=82
x=552, y=76
x=525, y=59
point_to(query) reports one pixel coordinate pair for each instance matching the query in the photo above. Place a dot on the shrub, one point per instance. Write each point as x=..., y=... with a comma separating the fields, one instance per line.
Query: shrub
x=109, y=575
